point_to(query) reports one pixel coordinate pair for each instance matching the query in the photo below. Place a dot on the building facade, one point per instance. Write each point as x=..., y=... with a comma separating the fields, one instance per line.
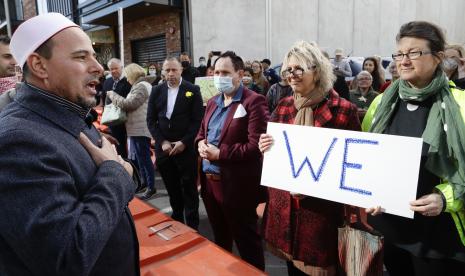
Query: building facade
x=11, y=15
x=151, y=30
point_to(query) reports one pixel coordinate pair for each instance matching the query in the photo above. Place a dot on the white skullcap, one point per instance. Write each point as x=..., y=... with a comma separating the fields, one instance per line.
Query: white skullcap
x=34, y=32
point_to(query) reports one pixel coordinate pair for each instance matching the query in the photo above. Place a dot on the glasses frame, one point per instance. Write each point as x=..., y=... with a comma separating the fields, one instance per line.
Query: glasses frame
x=400, y=56
x=288, y=73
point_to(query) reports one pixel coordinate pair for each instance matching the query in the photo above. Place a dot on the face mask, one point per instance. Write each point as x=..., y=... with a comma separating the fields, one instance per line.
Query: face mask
x=152, y=72
x=247, y=79
x=450, y=64
x=224, y=84
x=203, y=63
x=185, y=64
x=256, y=70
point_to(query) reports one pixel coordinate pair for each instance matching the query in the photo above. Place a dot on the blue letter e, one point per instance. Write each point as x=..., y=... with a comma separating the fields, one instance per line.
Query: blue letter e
x=346, y=164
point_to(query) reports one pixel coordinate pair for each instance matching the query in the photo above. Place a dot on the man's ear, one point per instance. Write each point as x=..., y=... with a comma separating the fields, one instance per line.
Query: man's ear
x=440, y=56
x=37, y=66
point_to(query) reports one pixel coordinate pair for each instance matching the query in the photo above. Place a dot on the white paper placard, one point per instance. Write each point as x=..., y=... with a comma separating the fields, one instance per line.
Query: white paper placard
x=356, y=168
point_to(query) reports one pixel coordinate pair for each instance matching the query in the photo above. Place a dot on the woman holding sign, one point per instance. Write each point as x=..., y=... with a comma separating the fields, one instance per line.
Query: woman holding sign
x=422, y=103
x=303, y=229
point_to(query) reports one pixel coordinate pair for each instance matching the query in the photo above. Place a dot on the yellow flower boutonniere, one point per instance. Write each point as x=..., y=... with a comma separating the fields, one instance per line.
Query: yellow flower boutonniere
x=189, y=94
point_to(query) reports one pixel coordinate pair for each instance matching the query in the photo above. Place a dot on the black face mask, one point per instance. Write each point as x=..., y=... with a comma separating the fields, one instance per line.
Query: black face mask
x=185, y=64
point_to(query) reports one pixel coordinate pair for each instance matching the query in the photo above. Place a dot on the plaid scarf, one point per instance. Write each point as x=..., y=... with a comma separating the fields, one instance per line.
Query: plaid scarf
x=7, y=83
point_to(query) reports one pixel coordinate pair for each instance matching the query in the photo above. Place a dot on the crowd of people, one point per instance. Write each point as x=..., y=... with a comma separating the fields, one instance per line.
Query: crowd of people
x=66, y=185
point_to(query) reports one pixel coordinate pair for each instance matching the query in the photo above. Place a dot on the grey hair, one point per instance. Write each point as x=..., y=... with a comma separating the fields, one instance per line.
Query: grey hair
x=308, y=54
x=364, y=72
x=172, y=58
x=114, y=60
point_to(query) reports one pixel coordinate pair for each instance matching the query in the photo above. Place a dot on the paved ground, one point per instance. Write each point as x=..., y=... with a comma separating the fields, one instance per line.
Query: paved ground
x=274, y=266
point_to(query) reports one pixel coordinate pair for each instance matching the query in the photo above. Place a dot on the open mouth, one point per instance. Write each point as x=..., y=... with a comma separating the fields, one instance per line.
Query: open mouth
x=92, y=86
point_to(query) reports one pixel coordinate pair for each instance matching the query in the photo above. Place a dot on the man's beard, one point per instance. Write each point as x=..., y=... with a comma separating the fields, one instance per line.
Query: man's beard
x=86, y=103
x=7, y=73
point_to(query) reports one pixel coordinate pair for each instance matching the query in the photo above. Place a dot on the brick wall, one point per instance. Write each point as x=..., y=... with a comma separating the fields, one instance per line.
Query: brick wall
x=29, y=9
x=152, y=26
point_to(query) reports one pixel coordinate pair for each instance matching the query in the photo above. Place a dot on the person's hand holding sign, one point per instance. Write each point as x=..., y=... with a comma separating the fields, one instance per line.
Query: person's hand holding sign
x=265, y=142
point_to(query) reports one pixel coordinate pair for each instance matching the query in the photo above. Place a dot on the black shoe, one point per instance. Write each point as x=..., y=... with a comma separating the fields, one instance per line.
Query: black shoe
x=141, y=188
x=148, y=194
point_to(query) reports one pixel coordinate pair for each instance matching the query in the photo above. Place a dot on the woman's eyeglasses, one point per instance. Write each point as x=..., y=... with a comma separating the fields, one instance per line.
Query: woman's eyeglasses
x=410, y=55
x=296, y=72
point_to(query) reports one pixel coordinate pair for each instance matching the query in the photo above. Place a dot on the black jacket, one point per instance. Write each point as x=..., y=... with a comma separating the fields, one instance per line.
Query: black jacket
x=65, y=215
x=122, y=88
x=185, y=119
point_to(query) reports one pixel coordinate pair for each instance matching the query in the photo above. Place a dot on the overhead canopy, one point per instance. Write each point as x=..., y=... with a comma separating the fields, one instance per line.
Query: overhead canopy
x=98, y=13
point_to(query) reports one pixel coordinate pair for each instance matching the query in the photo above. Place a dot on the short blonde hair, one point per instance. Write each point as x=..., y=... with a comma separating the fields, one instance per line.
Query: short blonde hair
x=308, y=54
x=133, y=72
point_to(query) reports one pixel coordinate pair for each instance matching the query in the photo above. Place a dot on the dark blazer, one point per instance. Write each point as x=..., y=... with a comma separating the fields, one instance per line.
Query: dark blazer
x=62, y=214
x=122, y=88
x=240, y=159
x=185, y=119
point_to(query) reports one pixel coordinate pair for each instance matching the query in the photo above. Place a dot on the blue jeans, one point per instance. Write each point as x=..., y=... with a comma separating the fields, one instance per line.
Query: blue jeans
x=140, y=145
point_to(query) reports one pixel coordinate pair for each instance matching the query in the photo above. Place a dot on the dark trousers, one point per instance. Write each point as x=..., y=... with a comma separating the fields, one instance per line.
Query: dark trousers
x=294, y=271
x=233, y=225
x=119, y=132
x=179, y=175
x=141, y=147
x=400, y=262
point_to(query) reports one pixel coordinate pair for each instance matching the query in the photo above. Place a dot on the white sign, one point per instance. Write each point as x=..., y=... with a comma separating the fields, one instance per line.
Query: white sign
x=356, y=168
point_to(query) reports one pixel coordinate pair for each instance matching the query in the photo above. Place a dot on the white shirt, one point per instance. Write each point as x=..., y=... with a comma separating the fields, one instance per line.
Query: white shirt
x=172, y=94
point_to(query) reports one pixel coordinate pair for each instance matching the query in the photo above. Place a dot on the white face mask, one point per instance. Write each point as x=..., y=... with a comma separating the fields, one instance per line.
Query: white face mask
x=247, y=79
x=224, y=84
x=203, y=63
x=152, y=72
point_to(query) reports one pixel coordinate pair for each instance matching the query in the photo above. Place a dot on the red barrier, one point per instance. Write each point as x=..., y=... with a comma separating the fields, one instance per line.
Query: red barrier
x=100, y=127
x=169, y=247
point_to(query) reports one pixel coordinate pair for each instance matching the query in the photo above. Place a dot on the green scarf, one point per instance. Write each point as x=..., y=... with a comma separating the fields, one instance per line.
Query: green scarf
x=444, y=131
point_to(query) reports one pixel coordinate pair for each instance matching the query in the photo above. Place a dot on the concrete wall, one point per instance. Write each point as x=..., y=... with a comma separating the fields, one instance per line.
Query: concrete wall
x=256, y=29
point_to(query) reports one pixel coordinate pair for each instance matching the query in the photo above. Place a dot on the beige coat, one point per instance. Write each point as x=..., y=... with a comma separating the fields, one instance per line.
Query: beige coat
x=135, y=104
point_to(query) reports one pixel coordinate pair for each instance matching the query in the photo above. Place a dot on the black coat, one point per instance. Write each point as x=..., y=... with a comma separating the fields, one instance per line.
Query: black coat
x=63, y=214
x=122, y=88
x=185, y=119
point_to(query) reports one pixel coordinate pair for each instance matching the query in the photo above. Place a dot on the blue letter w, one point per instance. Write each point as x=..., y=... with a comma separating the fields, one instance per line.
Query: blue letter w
x=316, y=176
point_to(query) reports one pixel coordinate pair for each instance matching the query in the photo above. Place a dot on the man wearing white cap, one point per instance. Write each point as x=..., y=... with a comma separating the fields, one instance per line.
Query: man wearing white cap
x=64, y=190
x=341, y=69
x=341, y=65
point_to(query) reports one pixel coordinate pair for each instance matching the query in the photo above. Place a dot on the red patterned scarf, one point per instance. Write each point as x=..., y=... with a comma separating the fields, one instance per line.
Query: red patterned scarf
x=7, y=83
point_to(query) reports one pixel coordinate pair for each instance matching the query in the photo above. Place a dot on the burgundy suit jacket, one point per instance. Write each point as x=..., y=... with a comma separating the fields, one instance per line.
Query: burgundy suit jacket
x=240, y=159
